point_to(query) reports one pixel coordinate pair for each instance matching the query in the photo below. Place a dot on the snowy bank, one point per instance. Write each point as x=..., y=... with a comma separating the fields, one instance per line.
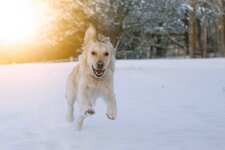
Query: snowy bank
x=162, y=105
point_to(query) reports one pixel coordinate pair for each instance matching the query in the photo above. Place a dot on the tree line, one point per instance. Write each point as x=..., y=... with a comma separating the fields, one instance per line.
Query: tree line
x=137, y=28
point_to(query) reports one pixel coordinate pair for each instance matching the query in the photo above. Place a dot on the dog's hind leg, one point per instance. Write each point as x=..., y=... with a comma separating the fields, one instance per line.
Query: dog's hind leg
x=70, y=103
x=80, y=120
x=83, y=114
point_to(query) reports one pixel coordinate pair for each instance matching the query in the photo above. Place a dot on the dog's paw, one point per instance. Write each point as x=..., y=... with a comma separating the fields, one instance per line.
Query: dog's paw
x=111, y=116
x=89, y=112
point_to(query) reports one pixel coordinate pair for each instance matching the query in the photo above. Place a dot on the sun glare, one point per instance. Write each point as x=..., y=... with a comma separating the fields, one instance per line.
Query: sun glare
x=18, y=20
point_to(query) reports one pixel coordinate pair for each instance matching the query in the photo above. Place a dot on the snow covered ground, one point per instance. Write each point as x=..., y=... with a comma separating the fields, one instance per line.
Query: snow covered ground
x=162, y=105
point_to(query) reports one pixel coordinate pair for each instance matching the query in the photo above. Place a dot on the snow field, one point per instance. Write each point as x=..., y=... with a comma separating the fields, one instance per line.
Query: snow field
x=162, y=105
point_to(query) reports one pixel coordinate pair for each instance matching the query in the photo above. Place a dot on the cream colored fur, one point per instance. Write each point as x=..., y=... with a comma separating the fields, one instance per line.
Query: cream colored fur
x=83, y=86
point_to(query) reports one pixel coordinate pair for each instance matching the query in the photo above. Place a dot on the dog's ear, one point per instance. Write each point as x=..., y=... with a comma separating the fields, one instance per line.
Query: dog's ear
x=103, y=38
x=106, y=40
x=90, y=35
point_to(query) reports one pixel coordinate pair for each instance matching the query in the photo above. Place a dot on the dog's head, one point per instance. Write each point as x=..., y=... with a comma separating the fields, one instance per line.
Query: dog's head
x=99, y=56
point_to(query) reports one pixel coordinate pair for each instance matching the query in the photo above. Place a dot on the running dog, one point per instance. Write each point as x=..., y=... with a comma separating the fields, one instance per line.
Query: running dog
x=92, y=78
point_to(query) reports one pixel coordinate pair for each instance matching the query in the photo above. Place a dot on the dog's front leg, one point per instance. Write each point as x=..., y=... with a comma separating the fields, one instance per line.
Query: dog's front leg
x=84, y=101
x=109, y=97
x=85, y=105
x=111, y=107
x=85, y=109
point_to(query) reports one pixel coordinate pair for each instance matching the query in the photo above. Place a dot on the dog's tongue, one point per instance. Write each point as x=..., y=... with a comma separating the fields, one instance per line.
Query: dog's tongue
x=99, y=72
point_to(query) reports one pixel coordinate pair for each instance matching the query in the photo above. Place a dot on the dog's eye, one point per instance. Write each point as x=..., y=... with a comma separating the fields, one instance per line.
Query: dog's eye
x=93, y=53
x=106, y=53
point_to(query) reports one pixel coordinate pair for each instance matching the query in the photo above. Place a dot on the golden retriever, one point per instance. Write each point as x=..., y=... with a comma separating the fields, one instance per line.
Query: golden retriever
x=92, y=78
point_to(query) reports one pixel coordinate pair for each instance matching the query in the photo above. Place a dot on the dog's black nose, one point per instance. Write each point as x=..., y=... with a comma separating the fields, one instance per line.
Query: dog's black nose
x=100, y=64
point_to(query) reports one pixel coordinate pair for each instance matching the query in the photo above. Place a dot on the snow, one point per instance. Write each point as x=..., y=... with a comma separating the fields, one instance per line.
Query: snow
x=162, y=105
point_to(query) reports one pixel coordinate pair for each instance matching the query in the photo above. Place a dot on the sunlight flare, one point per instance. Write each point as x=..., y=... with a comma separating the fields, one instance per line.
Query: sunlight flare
x=18, y=20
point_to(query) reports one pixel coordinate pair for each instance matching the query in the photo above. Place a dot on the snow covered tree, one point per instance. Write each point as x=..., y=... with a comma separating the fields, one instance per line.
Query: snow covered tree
x=149, y=28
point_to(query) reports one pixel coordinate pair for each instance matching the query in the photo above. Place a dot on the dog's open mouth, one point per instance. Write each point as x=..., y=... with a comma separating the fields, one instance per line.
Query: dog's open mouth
x=98, y=72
